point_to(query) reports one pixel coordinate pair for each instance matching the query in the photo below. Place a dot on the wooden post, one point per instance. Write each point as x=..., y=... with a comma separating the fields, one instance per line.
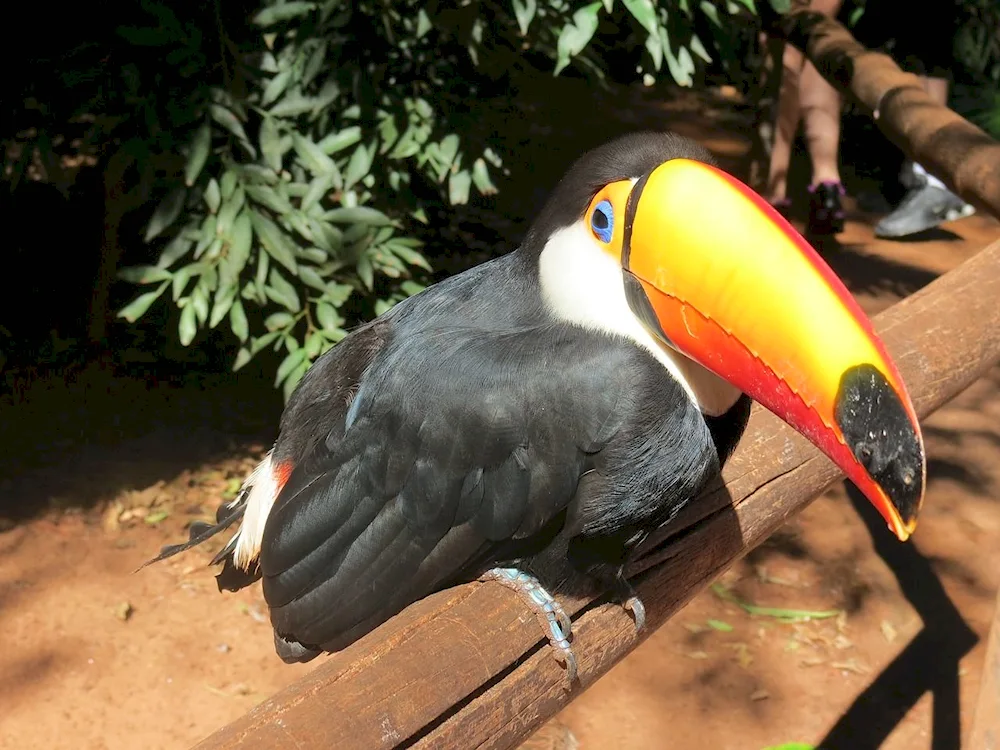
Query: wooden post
x=468, y=667
x=985, y=734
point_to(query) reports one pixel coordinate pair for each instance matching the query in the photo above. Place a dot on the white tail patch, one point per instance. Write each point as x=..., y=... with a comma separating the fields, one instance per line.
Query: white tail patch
x=262, y=487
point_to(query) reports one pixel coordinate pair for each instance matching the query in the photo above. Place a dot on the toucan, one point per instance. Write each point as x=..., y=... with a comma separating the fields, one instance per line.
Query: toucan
x=532, y=420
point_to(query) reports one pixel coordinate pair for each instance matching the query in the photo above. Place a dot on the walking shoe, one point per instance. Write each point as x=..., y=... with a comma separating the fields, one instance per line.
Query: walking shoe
x=826, y=215
x=923, y=208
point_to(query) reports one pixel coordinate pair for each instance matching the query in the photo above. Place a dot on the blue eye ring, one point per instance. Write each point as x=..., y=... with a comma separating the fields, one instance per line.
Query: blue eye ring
x=602, y=221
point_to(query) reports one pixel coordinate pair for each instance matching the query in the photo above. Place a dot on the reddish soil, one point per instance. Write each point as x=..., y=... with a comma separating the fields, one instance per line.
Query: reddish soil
x=98, y=656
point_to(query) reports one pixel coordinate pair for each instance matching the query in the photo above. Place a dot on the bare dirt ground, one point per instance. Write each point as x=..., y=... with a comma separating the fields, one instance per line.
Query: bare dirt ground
x=97, y=656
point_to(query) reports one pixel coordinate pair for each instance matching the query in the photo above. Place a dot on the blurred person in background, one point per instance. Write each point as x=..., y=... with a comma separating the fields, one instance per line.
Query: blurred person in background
x=921, y=43
x=806, y=97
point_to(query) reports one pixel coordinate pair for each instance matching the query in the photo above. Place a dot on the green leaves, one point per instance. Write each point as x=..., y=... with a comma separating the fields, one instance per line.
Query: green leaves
x=240, y=239
x=280, y=290
x=144, y=274
x=720, y=625
x=358, y=166
x=313, y=157
x=301, y=189
x=278, y=13
x=137, y=307
x=524, y=12
x=187, y=327
x=575, y=35
x=224, y=299
x=277, y=244
x=238, y=321
x=166, y=213
x=231, y=122
x=358, y=215
x=327, y=317
x=481, y=177
x=270, y=143
x=644, y=12
x=339, y=140
x=278, y=321
x=458, y=187
x=198, y=155
x=269, y=197
x=316, y=190
x=212, y=196
x=785, y=615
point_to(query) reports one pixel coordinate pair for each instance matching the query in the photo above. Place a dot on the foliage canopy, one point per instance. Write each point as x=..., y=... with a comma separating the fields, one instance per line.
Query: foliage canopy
x=316, y=146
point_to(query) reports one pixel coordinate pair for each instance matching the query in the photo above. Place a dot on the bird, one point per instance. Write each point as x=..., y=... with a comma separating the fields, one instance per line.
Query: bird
x=532, y=420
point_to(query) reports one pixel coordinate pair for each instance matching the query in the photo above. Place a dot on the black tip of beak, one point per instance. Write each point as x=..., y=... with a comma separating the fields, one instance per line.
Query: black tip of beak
x=879, y=432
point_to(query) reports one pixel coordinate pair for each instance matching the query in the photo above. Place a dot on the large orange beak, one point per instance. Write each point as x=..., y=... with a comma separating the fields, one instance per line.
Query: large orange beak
x=730, y=284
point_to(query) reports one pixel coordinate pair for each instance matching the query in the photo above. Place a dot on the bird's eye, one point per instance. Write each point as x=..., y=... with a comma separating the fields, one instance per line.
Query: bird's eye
x=602, y=221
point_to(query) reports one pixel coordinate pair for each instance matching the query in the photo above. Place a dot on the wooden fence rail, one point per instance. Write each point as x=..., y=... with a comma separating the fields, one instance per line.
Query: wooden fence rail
x=468, y=667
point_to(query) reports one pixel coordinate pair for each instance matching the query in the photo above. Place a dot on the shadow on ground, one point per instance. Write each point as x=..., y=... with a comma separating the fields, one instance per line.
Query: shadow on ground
x=929, y=663
x=78, y=437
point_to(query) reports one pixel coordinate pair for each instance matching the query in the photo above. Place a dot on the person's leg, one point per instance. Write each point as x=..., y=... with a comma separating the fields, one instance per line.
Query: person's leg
x=820, y=105
x=806, y=95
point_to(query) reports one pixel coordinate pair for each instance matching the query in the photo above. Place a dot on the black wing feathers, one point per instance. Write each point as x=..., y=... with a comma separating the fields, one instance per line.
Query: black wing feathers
x=439, y=464
x=463, y=447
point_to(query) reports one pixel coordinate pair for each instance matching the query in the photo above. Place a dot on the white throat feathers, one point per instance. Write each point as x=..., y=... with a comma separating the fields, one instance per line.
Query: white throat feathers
x=582, y=284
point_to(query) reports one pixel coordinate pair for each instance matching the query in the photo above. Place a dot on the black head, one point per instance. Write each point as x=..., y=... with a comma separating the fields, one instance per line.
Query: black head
x=627, y=157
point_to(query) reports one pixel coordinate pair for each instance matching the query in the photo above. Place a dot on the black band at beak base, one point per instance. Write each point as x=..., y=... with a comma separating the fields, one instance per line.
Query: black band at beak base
x=642, y=308
x=630, y=208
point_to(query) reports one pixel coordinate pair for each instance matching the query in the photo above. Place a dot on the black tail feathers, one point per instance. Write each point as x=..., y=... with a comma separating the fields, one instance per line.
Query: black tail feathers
x=200, y=531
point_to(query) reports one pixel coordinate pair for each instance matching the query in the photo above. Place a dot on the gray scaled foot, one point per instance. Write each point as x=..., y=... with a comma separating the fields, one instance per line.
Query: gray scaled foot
x=553, y=619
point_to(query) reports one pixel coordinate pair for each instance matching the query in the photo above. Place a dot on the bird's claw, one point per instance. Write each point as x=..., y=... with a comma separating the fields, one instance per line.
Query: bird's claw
x=634, y=605
x=631, y=602
x=568, y=658
x=556, y=624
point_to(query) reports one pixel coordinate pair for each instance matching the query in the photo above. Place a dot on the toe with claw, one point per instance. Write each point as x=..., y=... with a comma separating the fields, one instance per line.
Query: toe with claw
x=632, y=603
x=555, y=622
